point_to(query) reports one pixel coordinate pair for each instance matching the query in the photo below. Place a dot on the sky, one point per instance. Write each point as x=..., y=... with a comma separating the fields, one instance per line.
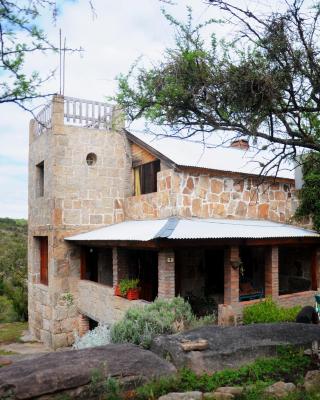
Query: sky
x=119, y=33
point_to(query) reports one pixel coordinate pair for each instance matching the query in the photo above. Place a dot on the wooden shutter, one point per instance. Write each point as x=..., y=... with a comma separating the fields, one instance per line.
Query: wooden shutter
x=83, y=264
x=314, y=265
x=44, y=260
x=149, y=177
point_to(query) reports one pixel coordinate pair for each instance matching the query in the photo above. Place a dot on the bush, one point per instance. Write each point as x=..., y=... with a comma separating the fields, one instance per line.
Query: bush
x=268, y=311
x=290, y=365
x=141, y=324
x=99, y=336
x=7, y=312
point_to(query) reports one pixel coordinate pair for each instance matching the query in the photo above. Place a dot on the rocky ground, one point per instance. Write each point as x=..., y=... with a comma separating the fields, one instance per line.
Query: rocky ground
x=206, y=349
x=230, y=347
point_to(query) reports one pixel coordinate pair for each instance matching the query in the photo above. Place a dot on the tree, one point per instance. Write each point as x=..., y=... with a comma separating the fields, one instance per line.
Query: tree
x=264, y=85
x=309, y=195
x=20, y=36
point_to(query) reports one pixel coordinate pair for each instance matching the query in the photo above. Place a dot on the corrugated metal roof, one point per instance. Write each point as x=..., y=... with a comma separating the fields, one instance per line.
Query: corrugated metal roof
x=194, y=154
x=129, y=230
x=194, y=228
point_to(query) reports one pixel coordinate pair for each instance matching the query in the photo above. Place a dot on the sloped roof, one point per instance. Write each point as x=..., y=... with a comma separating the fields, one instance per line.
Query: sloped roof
x=194, y=228
x=186, y=153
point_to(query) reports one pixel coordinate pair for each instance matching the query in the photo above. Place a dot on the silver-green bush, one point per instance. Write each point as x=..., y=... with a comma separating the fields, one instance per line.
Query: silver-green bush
x=141, y=324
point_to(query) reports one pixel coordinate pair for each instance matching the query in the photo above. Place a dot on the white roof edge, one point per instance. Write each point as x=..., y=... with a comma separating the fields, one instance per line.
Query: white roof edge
x=194, y=228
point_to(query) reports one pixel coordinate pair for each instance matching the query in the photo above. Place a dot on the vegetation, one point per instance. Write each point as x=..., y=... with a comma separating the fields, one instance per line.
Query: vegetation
x=141, y=324
x=290, y=365
x=20, y=35
x=309, y=195
x=268, y=311
x=99, y=336
x=13, y=270
x=128, y=284
x=262, y=85
x=12, y=332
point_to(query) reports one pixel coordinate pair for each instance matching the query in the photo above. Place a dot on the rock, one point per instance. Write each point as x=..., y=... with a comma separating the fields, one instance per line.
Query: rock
x=218, y=396
x=182, y=396
x=68, y=370
x=192, y=345
x=234, y=390
x=280, y=389
x=5, y=361
x=312, y=381
x=231, y=347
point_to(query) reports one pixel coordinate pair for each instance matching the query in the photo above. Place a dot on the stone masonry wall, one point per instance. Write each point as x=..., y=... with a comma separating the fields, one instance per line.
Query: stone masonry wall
x=77, y=198
x=204, y=195
x=99, y=303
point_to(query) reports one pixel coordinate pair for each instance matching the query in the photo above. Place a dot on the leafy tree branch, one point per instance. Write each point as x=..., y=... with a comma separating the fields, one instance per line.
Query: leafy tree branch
x=263, y=85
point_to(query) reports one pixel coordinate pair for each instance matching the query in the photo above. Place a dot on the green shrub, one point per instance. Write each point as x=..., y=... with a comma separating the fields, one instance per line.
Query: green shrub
x=268, y=311
x=7, y=312
x=141, y=324
x=290, y=364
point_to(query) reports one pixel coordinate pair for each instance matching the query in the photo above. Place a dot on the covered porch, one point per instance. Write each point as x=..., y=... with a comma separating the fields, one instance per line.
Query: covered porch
x=211, y=263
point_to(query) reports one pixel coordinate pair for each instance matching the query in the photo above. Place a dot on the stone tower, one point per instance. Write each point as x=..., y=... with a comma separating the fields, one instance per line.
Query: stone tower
x=79, y=174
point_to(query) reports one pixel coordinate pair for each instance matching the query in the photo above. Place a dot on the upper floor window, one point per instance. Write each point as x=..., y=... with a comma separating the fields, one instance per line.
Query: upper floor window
x=40, y=179
x=145, y=178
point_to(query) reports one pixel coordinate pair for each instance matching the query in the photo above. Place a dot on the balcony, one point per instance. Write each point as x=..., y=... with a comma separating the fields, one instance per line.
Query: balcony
x=77, y=112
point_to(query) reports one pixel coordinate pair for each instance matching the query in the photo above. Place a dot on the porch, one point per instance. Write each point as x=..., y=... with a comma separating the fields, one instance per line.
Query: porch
x=210, y=273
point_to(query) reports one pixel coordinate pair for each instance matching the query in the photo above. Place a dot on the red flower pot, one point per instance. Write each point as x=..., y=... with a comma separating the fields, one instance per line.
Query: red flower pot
x=117, y=291
x=133, y=294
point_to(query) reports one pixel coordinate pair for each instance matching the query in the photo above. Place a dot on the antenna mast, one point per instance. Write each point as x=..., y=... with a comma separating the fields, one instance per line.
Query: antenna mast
x=60, y=63
x=64, y=65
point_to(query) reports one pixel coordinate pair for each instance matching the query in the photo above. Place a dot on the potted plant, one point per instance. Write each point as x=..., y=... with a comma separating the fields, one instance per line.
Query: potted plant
x=133, y=289
x=117, y=291
x=129, y=288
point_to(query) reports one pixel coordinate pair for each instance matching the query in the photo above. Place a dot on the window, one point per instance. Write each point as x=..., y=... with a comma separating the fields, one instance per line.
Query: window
x=145, y=178
x=43, y=247
x=40, y=179
x=91, y=159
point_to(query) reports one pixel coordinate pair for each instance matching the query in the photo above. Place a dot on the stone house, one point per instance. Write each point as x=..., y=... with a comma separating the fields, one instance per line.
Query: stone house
x=106, y=204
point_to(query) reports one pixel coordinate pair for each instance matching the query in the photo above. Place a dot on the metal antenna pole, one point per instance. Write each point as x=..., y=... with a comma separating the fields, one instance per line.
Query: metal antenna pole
x=64, y=64
x=60, y=63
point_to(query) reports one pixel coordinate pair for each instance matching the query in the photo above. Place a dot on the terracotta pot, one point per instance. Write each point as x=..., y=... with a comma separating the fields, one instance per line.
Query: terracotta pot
x=117, y=291
x=133, y=294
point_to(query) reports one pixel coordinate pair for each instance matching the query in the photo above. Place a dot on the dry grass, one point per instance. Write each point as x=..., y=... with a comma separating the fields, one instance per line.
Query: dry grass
x=11, y=332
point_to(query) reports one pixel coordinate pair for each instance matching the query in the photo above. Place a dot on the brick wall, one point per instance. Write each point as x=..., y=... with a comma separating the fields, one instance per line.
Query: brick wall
x=166, y=274
x=272, y=272
x=120, y=265
x=231, y=275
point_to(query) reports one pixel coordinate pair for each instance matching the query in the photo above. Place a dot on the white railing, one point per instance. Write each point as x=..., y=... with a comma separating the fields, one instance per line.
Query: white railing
x=43, y=121
x=86, y=113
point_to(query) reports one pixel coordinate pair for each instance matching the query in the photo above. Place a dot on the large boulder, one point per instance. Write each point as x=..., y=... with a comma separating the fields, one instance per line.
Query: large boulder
x=312, y=381
x=280, y=389
x=73, y=370
x=230, y=347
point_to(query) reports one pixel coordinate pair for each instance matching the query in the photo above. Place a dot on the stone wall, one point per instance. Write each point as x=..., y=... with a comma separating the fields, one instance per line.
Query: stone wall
x=77, y=197
x=210, y=195
x=99, y=303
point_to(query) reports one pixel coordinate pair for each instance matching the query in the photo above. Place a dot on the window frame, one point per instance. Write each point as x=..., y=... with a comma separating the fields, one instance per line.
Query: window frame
x=147, y=175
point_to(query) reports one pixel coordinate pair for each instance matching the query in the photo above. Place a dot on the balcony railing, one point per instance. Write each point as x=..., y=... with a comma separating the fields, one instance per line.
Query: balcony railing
x=78, y=112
